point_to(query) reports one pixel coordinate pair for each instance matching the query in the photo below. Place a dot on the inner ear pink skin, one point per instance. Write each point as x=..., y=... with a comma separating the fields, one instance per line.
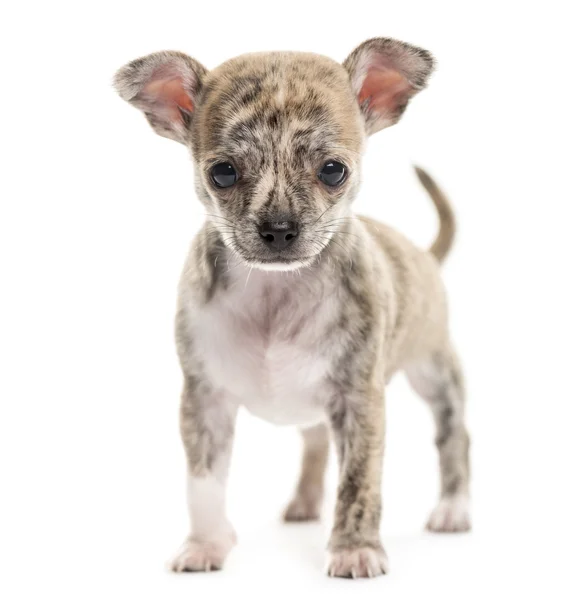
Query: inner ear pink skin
x=171, y=95
x=385, y=88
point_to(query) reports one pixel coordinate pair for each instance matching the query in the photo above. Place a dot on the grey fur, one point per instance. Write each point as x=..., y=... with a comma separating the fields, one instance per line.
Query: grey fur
x=306, y=504
x=352, y=301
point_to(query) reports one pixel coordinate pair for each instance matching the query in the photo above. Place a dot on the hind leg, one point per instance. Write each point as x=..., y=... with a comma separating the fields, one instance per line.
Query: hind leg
x=306, y=504
x=438, y=381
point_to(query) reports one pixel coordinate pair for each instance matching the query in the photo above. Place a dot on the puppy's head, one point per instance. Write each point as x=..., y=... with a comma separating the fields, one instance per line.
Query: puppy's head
x=276, y=137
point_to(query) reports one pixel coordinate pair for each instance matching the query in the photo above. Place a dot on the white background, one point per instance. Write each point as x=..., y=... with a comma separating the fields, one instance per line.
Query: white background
x=96, y=216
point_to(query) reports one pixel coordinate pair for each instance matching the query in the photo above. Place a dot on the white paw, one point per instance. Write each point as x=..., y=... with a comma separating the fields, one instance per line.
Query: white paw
x=302, y=509
x=357, y=562
x=202, y=555
x=451, y=515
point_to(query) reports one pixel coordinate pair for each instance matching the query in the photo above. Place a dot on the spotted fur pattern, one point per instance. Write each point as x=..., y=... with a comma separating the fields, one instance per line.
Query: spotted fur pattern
x=309, y=335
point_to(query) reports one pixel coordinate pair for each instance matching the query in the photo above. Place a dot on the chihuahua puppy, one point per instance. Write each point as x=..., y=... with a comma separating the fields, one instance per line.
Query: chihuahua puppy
x=289, y=304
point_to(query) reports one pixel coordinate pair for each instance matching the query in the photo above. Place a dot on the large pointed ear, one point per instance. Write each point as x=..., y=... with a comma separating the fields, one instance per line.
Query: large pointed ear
x=384, y=75
x=165, y=86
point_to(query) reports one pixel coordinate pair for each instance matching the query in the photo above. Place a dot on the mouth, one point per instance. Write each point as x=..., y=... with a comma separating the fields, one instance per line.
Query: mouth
x=286, y=259
x=280, y=264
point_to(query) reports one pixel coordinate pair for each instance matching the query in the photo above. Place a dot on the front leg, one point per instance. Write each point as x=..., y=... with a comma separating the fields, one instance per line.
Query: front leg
x=207, y=428
x=357, y=421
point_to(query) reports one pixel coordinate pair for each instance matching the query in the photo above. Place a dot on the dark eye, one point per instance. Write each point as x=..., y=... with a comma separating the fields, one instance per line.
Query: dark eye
x=333, y=173
x=224, y=175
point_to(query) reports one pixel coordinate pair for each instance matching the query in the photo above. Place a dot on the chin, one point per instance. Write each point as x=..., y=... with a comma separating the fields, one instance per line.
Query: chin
x=286, y=264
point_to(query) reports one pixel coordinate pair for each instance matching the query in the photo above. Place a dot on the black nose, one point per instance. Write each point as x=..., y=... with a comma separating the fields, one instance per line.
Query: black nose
x=278, y=235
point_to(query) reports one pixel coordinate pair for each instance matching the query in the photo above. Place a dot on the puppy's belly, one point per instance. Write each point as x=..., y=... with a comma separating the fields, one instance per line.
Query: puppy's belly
x=280, y=384
x=281, y=410
x=279, y=381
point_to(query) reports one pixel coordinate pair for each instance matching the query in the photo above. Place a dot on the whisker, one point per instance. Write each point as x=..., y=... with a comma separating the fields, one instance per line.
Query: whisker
x=219, y=217
x=338, y=231
x=340, y=219
x=323, y=213
x=248, y=276
x=345, y=250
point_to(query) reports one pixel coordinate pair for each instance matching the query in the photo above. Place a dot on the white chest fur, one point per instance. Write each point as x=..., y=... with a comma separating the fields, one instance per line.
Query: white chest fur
x=262, y=341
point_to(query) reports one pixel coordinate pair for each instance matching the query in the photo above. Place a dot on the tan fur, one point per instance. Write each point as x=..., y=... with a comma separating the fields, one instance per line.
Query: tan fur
x=308, y=332
x=306, y=504
x=444, y=239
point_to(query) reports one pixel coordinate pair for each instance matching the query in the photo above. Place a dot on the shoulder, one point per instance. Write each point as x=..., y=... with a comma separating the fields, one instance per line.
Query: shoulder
x=202, y=273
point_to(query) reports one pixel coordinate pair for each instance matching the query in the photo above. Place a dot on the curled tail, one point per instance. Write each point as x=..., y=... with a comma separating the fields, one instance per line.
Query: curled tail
x=444, y=240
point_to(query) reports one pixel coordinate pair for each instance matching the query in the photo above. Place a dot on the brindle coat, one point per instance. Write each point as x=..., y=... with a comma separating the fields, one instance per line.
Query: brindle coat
x=309, y=335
